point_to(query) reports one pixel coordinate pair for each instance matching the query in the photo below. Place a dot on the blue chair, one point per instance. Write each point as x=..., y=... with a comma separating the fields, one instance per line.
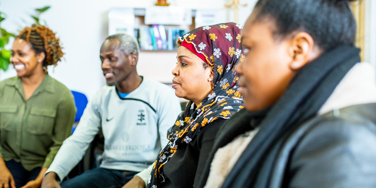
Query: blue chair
x=80, y=100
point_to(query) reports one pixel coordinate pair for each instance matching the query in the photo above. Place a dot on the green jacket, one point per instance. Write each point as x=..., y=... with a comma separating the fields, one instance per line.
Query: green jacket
x=33, y=130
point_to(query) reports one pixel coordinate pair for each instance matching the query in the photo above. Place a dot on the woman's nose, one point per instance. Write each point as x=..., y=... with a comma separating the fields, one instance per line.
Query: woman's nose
x=12, y=59
x=238, y=67
x=175, y=71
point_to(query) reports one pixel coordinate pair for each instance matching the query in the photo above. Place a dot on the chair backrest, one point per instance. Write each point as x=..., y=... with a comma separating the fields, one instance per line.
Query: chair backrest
x=81, y=101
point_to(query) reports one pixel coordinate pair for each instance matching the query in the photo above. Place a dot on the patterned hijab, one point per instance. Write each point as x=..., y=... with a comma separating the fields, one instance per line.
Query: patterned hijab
x=219, y=46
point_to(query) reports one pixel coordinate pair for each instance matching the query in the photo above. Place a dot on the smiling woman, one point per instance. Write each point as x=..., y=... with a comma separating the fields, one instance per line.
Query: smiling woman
x=36, y=111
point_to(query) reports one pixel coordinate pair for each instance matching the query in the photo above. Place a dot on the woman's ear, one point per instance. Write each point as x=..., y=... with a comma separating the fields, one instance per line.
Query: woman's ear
x=40, y=57
x=211, y=76
x=302, y=50
x=211, y=71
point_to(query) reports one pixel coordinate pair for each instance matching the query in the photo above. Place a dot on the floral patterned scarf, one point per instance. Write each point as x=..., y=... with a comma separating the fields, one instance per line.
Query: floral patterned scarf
x=219, y=46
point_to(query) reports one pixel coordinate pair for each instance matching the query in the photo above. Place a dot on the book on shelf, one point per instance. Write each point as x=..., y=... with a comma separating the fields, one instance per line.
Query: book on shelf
x=145, y=39
x=170, y=39
x=153, y=38
x=162, y=34
x=158, y=37
x=136, y=33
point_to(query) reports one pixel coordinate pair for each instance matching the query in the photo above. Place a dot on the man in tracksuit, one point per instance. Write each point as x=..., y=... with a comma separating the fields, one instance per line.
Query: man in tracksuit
x=134, y=114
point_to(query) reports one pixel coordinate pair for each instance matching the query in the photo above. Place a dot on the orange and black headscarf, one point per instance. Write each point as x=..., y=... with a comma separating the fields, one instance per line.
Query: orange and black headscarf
x=220, y=47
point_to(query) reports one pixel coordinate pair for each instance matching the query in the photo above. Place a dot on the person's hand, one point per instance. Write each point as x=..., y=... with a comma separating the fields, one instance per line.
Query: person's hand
x=6, y=178
x=49, y=181
x=32, y=184
x=135, y=182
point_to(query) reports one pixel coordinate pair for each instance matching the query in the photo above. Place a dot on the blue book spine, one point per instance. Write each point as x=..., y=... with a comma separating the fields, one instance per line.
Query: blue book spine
x=153, y=39
x=158, y=37
x=162, y=33
x=170, y=38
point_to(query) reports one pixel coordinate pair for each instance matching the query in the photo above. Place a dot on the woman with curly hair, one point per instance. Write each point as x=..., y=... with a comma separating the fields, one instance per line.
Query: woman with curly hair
x=36, y=111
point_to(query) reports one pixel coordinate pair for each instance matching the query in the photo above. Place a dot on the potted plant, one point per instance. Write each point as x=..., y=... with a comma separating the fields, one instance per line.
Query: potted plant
x=4, y=40
x=5, y=36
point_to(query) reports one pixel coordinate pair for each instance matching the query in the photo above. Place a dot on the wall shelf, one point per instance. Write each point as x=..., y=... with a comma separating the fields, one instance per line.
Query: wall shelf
x=141, y=12
x=155, y=64
x=159, y=50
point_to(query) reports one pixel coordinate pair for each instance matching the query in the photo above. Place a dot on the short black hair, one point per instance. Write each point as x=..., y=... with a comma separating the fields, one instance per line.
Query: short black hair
x=329, y=22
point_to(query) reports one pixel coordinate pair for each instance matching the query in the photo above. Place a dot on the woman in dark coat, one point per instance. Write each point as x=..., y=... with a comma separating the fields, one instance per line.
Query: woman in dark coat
x=310, y=105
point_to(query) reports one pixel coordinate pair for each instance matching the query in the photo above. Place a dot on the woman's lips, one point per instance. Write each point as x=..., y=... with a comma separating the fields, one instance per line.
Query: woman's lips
x=241, y=90
x=175, y=84
x=242, y=87
x=19, y=67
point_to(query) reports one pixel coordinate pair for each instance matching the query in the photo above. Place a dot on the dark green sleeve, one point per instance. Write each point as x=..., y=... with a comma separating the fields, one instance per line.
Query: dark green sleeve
x=65, y=114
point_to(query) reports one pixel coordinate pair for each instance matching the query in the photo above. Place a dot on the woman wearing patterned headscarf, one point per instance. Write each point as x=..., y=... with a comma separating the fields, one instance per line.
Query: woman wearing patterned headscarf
x=205, y=75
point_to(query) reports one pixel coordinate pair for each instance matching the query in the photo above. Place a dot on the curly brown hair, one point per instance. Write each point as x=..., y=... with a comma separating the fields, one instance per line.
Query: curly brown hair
x=43, y=39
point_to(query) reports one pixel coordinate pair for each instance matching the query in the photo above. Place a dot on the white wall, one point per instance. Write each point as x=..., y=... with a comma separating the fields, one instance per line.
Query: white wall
x=370, y=32
x=82, y=27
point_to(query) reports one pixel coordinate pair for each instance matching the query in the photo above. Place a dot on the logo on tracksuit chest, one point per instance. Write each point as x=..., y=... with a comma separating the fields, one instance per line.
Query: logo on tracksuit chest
x=141, y=117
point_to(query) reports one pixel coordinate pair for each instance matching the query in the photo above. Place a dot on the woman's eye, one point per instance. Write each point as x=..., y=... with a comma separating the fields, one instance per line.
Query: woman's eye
x=113, y=59
x=183, y=64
